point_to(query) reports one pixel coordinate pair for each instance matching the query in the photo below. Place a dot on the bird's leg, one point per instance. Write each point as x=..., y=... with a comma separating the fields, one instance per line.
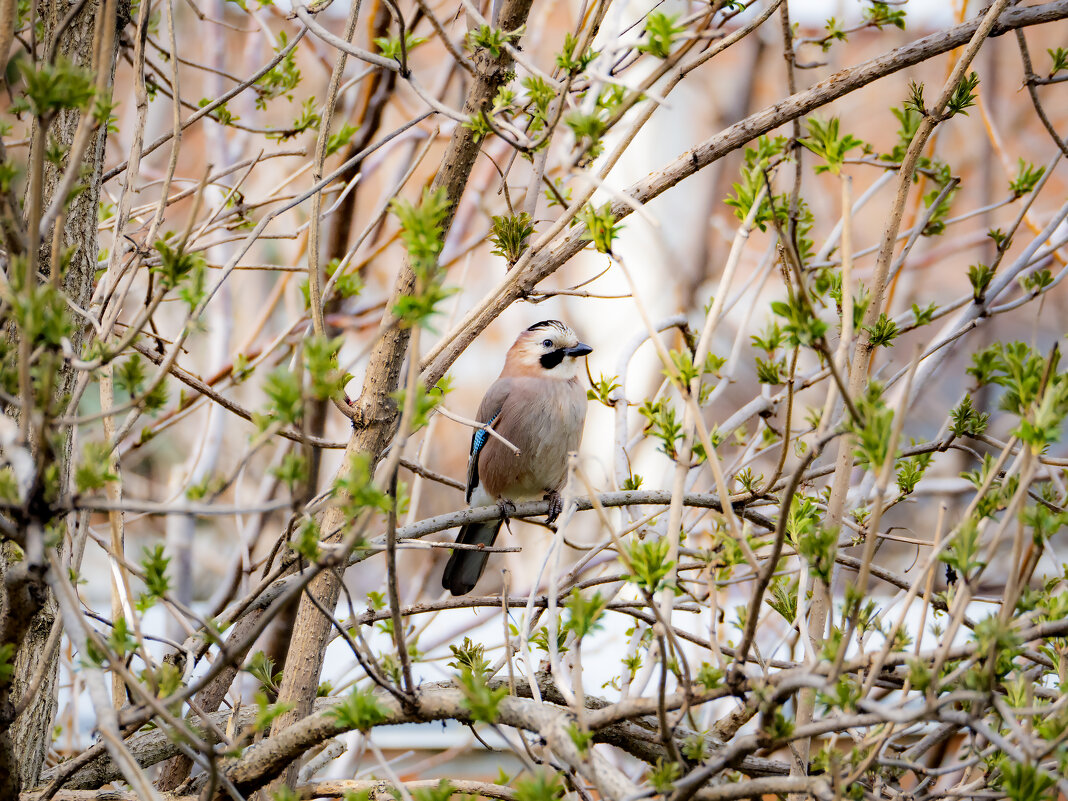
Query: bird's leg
x=506, y=509
x=556, y=506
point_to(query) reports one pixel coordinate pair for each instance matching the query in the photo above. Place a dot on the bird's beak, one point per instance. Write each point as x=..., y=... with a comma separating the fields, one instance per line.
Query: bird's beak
x=581, y=349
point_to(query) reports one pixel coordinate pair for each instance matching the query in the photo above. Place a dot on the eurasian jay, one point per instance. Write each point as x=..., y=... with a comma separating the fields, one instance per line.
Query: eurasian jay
x=539, y=406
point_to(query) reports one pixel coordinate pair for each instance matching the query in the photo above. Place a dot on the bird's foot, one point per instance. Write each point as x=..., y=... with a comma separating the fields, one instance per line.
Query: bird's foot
x=556, y=506
x=506, y=508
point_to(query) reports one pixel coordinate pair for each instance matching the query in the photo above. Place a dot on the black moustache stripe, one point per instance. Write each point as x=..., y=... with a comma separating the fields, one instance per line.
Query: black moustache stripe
x=552, y=359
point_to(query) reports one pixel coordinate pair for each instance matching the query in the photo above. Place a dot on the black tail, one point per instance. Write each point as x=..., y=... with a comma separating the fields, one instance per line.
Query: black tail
x=465, y=566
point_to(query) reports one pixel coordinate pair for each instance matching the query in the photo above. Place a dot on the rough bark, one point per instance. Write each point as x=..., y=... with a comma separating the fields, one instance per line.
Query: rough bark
x=31, y=733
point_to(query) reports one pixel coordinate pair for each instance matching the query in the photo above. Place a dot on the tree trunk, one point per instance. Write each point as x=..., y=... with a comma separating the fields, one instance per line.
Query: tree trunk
x=31, y=733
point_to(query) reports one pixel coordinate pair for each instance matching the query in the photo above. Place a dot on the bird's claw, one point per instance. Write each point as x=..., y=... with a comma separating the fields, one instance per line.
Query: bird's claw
x=506, y=508
x=556, y=506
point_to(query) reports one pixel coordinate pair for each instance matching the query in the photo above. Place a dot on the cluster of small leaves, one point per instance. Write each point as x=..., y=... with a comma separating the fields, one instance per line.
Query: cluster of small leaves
x=963, y=554
x=883, y=332
x=880, y=14
x=539, y=786
x=872, y=430
x=486, y=37
x=261, y=667
x=1024, y=781
x=584, y=613
x=782, y=597
x=176, y=263
x=509, y=235
x=648, y=563
x=540, y=94
x=422, y=230
x=469, y=655
x=771, y=370
x=842, y=696
x=325, y=378
x=390, y=46
x=663, y=775
x=1043, y=521
x=1036, y=281
x=285, y=399
x=426, y=400
x=661, y=31
x=834, y=32
x=282, y=78
x=923, y=316
x=266, y=712
x=356, y=490
x=1034, y=390
x=966, y=420
x=94, y=469
x=814, y=543
x=999, y=493
x=909, y=115
x=601, y=226
x=1027, y=177
x=801, y=326
x=292, y=470
x=305, y=541
x=911, y=470
x=663, y=424
x=157, y=584
x=940, y=176
x=480, y=699
x=442, y=791
x=569, y=61
x=220, y=113
x=7, y=663
x=963, y=96
x=360, y=710
x=590, y=125
x=602, y=390
x=825, y=140
x=756, y=163
x=337, y=140
x=1058, y=60
x=42, y=315
x=130, y=376
x=51, y=87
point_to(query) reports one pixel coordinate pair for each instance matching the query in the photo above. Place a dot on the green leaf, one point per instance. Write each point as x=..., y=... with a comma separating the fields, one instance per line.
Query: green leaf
x=94, y=469
x=359, y=710
x=826, y=142
x=267, y=713
x=157, y=584
x=601, y=226
x=649, y=564
x=585, y=613
x=660, y=33
x=481, y=700
x=541, y=786
x=53, y=87
x=509, y=235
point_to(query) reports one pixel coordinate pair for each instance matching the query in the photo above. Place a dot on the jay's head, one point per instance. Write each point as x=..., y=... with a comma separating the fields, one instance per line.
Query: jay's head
x=548, y=349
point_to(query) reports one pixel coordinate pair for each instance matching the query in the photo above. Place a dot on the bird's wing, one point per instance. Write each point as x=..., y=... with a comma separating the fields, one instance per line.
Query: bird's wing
x=488, y=412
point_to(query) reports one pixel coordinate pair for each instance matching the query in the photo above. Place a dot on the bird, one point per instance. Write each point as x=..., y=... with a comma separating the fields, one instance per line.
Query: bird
x=539, y=406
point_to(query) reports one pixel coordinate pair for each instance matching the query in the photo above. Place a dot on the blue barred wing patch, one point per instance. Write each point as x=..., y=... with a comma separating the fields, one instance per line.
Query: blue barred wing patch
x=480, y=437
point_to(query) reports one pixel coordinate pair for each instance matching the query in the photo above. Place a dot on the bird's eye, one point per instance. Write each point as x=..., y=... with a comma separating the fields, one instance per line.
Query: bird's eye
x=548, y=343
